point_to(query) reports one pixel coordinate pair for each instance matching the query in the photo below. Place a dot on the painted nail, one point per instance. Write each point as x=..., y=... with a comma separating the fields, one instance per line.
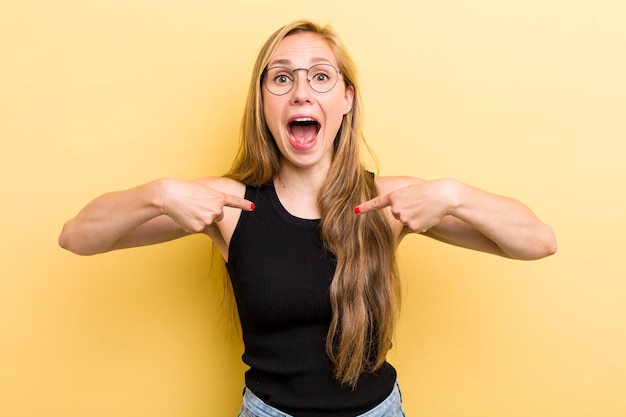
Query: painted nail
x=252, y=206
x=357, y=210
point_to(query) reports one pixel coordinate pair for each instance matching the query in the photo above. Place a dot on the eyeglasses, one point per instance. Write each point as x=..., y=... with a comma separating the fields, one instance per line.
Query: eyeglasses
x=280, y=80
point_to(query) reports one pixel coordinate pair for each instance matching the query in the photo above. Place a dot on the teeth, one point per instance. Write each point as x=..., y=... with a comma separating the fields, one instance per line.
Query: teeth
x=303, y=119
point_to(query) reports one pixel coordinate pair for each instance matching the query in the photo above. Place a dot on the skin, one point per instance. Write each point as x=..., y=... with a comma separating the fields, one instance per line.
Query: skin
x=445, y=209
x=303, y=171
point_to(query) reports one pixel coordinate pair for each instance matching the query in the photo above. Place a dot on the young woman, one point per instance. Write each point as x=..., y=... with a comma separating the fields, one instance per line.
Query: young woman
x=308, y=235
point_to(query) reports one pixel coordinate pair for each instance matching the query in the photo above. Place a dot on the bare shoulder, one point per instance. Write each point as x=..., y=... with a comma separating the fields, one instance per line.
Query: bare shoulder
x=388, y=184
x=225, y=185
x=221, y=232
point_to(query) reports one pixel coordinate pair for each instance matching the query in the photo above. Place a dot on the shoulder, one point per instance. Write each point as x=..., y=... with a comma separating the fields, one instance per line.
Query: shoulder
x=388, y=184
x=225, y=185
x=221, y=232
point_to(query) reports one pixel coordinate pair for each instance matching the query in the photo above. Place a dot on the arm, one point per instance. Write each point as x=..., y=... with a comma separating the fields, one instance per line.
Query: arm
x=462, y=215
x=155, y=212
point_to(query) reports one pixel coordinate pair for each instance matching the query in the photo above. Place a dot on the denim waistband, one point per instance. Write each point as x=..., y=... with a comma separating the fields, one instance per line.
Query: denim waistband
x=253, y=406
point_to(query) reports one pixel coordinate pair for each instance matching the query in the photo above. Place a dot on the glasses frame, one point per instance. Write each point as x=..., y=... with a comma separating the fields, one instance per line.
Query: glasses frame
x=293, y=71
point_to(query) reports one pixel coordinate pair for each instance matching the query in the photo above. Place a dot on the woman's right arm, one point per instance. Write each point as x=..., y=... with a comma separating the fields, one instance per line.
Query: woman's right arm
x=155, y=212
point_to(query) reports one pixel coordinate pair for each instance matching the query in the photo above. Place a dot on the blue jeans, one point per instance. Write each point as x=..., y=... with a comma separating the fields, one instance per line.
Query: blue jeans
x=253, y=406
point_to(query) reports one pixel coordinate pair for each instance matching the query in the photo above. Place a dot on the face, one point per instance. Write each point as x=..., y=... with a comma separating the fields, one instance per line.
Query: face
x=303, y=122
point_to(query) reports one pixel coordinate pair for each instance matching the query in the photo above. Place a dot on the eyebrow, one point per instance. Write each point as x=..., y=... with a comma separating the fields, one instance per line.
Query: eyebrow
x=284, y=61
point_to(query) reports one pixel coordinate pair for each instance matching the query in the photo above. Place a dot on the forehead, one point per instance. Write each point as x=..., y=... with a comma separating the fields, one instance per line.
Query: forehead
x=302, y=49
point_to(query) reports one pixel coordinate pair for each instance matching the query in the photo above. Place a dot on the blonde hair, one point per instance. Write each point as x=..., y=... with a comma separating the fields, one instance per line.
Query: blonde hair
x=365, y=292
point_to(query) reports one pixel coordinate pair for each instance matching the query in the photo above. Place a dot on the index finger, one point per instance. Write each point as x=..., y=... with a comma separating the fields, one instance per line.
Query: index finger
x=375, y=203
x=238, y=202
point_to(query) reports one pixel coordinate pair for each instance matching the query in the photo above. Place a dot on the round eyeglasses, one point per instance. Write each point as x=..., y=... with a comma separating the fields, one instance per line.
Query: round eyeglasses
x=280, y=80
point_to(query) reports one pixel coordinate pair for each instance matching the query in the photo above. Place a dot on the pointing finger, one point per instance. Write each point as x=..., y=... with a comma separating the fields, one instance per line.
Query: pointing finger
x=238, y=202
x=375, y=203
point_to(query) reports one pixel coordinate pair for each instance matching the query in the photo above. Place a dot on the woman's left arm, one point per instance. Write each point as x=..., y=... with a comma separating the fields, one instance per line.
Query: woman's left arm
x=462, y=215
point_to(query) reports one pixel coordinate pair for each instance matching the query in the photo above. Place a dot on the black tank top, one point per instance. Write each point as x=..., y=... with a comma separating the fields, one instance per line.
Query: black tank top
x=281, y=276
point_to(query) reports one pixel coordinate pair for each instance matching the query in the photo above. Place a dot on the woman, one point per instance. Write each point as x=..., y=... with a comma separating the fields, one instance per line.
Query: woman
x=308, y=235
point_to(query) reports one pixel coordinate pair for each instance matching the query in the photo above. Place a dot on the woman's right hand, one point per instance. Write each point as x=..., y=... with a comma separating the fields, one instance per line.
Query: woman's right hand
x=194, y=205
x=155, y=212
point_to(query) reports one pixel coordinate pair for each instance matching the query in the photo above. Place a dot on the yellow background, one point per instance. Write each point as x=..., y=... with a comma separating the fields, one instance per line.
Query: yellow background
x=524, y=98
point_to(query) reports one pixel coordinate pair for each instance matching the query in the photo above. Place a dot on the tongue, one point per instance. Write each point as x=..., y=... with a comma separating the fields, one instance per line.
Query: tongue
x=304, y=132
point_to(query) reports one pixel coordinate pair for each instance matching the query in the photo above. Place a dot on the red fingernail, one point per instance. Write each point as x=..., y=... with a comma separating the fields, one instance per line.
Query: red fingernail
x=252, y=206
x=357, y=210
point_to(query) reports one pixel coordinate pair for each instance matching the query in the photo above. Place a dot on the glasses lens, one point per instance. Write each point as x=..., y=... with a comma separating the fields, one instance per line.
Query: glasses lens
x=279, y=80
x=322, y=77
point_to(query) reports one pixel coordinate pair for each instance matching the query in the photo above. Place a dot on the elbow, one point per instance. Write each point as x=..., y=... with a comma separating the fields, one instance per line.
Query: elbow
x=552, y=245
x=67, y=240
x=548, y=241
x=544, y=244
x=64, y=239
x=540, y=244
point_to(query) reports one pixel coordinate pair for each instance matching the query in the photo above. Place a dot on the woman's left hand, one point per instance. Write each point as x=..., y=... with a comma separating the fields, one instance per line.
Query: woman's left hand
x=419, y=206
x=462, y=215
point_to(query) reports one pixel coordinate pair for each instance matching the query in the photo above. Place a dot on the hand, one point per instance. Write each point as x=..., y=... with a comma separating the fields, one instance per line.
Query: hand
x=195, y=205
x=419, y=206
x=464, y=216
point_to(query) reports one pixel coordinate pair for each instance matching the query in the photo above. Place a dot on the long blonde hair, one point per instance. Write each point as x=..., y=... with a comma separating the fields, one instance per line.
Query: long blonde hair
x=365, y=293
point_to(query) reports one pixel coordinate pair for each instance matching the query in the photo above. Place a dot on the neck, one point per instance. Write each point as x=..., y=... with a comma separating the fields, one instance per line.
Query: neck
x=303, y=181
x=298, y=191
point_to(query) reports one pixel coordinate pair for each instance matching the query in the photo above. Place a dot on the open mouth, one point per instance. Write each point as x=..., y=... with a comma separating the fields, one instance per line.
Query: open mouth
x=303, y=131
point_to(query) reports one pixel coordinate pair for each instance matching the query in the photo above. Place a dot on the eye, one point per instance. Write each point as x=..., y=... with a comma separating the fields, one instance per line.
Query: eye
x=320, y=77
x=282, y=79
x=322, y=74
x=280, y=76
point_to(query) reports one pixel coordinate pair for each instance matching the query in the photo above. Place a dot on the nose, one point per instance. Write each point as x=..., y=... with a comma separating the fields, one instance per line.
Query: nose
x=302, y=91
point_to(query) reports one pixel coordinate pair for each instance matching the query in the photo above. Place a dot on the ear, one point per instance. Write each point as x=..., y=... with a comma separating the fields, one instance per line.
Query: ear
x=349, y=98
